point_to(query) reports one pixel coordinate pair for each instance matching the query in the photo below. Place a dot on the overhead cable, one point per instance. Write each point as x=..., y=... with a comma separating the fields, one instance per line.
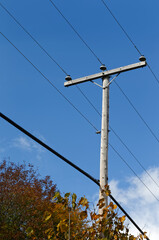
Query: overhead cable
x=153, y=73
x=47, y=147
x=42, y=48
x=59, y=65
x=30, y=35
x=26, y=31
x=129, y=38
x=73, y=28
x=133, y=171
x=132, y=154
x=119, y=138
x=71, y=164
x=84, y=95
x=51, y=83
x=121, y=26
x=146, y=124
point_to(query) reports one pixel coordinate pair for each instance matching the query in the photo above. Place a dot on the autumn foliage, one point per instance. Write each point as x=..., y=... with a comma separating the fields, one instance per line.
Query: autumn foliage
x=32, y=208
x=24, y=199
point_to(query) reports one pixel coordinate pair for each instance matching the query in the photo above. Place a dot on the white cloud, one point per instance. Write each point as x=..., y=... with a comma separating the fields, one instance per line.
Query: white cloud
x=140, y=204
x=23, y=143
x=27, y=145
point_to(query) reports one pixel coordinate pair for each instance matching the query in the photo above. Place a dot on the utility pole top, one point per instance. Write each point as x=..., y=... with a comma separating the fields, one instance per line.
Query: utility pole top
x=140, y=64
x=105, y=75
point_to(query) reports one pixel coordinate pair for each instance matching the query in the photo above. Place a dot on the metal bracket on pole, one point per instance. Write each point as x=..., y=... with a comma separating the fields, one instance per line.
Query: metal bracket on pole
x=96, y=84
x=112, y=80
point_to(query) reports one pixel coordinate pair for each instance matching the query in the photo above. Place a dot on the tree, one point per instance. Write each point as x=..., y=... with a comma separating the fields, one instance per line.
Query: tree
x=32, y=208
x=24, y=199
x=88, y=224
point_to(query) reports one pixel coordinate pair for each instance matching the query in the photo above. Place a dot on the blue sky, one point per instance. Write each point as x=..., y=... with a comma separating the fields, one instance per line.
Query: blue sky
x=28, y=99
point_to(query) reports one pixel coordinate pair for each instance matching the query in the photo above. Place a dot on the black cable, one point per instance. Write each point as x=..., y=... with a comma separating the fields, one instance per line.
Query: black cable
x=58, y=64
x=133, y=171
x=30, y=35
x=68, y=22
x=153, y=134
x=47, y=147
x=50, y=83
x=70, y=163
x=128, y=151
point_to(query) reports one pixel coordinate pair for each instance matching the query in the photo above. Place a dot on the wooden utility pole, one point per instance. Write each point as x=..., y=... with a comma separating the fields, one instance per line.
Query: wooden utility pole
x=105, y=75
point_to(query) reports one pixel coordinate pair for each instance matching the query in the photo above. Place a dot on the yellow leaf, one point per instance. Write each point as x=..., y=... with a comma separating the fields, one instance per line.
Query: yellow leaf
x=122, y=219
x=115, y=206
x=48, y=217
x=29, y=231
x=62, y=226
x=83, y=202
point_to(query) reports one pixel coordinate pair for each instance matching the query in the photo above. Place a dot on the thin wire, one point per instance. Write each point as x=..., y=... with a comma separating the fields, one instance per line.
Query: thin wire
x=88, y=100
x=68, y=22
x=48, y=148
x=50, y=83
x=133, y=171
x=26, y=31
x=137, y=160
x=153, y=134
x=67, y=74
x=120, y=26
x=153, y=73
x=129, y=38
x=70, y=163
x=30, y=35
x=128, y=149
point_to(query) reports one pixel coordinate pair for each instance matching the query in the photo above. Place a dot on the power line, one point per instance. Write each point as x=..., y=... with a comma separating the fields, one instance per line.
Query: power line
x=128, y=149
x=153, y=73
x=31, y=36
x=101, y=63
x=42, y=48
x=73, y=28
x=62, y=68
x=137, y=160
x=153, y=134
x=133, y=171
x=128, y=37
x=87, y=99
x=51, y=83
x=45, y=52
x=126, y=34
x=26, y=31
x=48, y=148
x=70, y=163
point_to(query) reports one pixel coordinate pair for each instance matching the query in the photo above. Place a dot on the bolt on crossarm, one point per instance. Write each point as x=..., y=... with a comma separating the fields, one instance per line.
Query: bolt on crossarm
x=105, y=75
